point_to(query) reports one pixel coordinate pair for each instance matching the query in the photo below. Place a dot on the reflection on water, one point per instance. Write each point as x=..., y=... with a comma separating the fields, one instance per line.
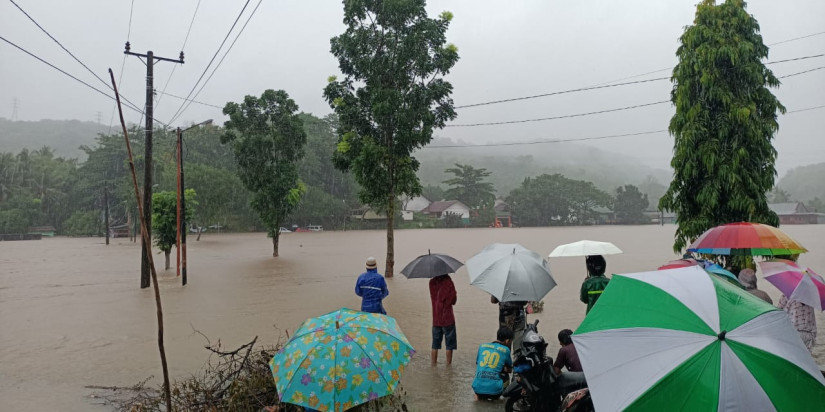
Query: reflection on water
x=71, y=312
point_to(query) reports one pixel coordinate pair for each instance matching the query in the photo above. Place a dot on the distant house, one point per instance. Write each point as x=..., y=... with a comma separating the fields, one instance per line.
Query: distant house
x=606, y=216
x=414, y=204
x=660, y=218
x=795, y=213
x=42, y=230
x=365, y=213
x=504, y=216
x=439, y=210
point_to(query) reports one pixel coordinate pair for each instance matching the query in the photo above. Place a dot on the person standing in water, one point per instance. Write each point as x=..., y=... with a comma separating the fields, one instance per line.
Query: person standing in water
x=443, y=297
x=372, y=289
x=595, y=282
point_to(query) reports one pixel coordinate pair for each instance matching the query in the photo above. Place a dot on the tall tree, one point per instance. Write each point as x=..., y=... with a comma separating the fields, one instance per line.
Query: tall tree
x=630, y=205
x=164, y=219
x=723, y=158
x=268, y=139
x=469, y=186
x=393, y=58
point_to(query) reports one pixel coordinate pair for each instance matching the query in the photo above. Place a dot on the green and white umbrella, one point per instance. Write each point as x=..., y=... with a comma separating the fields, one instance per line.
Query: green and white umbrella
x=683, y=340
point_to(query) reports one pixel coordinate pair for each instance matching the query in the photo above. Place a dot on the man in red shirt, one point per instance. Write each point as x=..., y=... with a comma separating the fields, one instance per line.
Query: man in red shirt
x=443, y=297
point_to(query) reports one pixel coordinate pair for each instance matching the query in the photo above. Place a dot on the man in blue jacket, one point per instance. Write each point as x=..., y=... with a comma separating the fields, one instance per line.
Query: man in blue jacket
x=372, y=288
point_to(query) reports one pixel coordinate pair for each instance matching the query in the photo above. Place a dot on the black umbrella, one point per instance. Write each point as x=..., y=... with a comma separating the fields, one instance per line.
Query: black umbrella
x=430, y=266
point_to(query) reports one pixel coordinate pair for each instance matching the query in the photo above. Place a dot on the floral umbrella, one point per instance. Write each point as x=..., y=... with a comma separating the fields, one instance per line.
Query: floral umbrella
x=796, y=283
x=340, y=360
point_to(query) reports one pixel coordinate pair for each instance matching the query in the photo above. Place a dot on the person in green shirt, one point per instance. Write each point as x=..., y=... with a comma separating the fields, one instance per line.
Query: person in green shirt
x=595, y=282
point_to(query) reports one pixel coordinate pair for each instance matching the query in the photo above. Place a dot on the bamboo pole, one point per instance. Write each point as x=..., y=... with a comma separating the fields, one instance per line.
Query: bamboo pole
x=148, y=247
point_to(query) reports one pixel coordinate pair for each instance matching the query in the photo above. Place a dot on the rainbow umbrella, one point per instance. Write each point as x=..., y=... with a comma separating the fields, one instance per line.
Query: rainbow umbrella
x=746, y=239
x=799, y=284
x=340, y=360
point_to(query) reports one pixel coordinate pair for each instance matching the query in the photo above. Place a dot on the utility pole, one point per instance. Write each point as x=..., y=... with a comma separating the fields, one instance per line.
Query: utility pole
x=147, y=156
x=106, y=209
x=14, y=105
x=181, y=212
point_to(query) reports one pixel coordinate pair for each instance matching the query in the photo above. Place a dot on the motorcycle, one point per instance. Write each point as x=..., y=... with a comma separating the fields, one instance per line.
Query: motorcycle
x=537, y=387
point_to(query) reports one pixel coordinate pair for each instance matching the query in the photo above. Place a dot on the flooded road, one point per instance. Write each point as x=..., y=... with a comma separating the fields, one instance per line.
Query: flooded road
x=72, y=313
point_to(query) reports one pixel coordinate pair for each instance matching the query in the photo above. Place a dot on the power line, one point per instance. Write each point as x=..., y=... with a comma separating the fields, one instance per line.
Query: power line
x=802, y=72
x=122, y=65
x=182, y=47
x=797, y=38
x=559, y=117
x=174, y=116
x=131, y=106
x=581, y=89
x=806, y=109
x=217, y=66
x=573, y=139
x=190, y=100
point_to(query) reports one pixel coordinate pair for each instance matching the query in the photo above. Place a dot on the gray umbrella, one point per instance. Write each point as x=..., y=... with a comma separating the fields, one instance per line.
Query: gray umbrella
x=430, y=266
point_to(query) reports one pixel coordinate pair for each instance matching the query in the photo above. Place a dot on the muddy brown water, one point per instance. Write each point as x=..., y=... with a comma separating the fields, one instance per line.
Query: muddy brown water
x=71, y=312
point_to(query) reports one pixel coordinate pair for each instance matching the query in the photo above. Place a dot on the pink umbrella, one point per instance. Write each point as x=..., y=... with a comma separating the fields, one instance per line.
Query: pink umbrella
x=799, y=284
x=680, y=263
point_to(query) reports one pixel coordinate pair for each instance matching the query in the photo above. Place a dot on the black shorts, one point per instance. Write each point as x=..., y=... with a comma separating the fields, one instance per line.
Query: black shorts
x=448, y=334
x=488, y=397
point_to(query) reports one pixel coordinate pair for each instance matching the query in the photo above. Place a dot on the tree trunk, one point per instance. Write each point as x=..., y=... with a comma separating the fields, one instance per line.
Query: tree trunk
x=200, y=230
x=167, y=253
x=275, y=238
x=390, y=237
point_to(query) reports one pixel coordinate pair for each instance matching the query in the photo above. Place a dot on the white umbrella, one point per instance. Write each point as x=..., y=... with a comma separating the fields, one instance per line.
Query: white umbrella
x=585, y=248
x=510, y=272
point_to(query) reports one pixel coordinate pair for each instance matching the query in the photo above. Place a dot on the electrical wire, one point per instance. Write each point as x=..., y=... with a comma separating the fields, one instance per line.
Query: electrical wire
x=193, y=101
x=797, y=38
x=175, y=116
x=574, y=139
x=559, y=117
x=182, y=47
x=130, y=105
x=122, y=66
x=217, y=66
x=802, y=72
x=806, y=109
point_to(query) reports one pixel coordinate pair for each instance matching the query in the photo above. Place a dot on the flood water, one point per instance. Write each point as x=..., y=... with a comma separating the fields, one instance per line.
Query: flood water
x=72, y=313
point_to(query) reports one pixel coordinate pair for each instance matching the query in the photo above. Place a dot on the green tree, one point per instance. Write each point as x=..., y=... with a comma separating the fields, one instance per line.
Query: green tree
x=165, y=219
x=268, y=140
x=433, y=193
x=816, y=205
x=778, y=195
x=630, y=205
x=469, y=186
x=393, y=58
x=583, y=197
x=725, y=120
x=539, y=201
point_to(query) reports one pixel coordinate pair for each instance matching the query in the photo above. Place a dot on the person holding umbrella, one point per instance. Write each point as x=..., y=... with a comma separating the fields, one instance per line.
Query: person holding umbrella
x=437, y=268
x=443, y=297
x=595, y=282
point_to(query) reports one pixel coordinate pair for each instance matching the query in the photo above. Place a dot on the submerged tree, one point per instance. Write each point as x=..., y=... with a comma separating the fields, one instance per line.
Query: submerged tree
x=725, y=120
x=469, y=186
x=630, y=205
x=393, y=58
x=268, y=139
x=164, y=219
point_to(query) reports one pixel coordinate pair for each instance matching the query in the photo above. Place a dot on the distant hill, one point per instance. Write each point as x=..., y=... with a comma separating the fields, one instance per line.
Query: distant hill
x=511, y=164
x=805, y=182
x=65, y=136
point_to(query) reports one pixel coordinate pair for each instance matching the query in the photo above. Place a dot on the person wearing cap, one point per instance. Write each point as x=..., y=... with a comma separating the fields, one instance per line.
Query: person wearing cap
x=747, y=277
x=372, y=288
x=595, y=282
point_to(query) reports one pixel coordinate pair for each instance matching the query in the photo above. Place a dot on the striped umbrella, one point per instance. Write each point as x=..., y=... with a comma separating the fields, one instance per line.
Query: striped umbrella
x=746, y=239
x=803, y=285
x=682, y=340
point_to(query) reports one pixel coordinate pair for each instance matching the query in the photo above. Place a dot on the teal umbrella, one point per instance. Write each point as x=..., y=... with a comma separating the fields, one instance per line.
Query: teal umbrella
x=340, y=360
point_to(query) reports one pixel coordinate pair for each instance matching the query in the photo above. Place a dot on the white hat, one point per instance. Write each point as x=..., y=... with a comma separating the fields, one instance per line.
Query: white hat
x=371, y=263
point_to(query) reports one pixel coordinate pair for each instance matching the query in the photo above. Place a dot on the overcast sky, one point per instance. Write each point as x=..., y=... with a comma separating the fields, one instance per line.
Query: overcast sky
x=506, y=48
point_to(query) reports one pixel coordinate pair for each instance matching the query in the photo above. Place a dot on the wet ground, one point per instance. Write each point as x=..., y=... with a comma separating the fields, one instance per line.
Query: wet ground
x=72, y=313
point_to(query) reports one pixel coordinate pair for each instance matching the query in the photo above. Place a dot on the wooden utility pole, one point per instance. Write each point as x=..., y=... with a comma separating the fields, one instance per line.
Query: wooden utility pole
x=147, y=156
x=147, y=245
x=106, y=209
x=182, y=226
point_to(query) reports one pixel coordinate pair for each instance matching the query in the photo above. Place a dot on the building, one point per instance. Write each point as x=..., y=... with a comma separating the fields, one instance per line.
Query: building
x=795, y=213
x=504, y=215
x=42, y=230
x=606, y=216
x=414, y=204
x=439, y=210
